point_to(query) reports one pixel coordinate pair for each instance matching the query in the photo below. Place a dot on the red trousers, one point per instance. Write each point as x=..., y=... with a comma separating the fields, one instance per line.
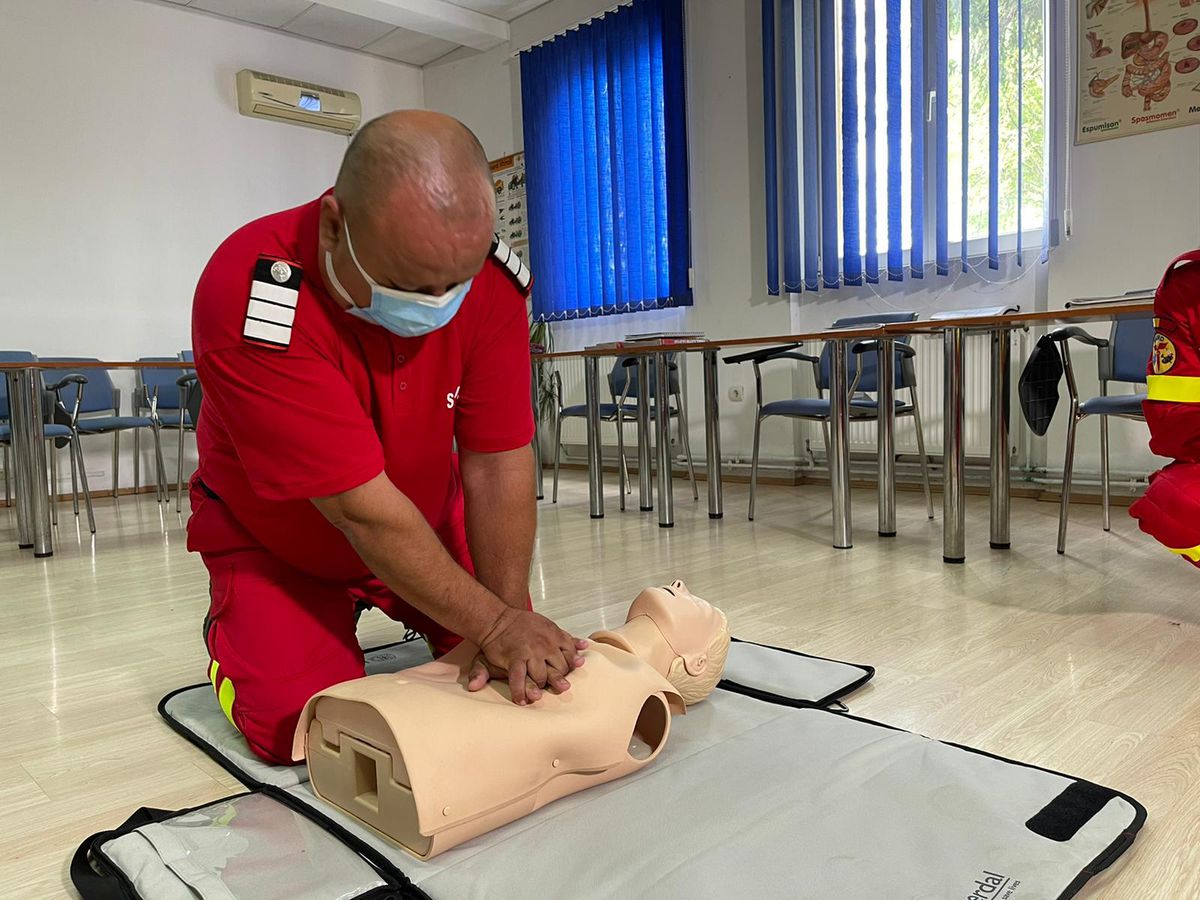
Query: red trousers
x=276, y=636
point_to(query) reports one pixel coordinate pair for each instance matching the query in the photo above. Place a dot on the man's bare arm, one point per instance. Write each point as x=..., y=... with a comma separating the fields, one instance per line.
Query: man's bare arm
x=501, y=519
x=397, y=544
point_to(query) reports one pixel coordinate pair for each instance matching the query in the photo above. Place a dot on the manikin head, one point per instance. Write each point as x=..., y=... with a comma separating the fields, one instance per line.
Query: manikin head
x=415, y=192
x=684, y=638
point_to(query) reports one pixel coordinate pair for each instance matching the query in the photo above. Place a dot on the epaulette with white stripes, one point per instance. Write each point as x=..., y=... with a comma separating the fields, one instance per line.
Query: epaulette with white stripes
x=513, y=265
x=271, y=310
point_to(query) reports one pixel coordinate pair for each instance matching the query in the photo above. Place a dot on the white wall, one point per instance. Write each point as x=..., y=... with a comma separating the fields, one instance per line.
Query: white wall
x=124, y=163
x=1126, y=226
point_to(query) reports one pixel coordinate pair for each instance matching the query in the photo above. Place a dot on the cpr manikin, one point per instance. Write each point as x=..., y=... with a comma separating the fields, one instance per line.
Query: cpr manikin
x=428, y=764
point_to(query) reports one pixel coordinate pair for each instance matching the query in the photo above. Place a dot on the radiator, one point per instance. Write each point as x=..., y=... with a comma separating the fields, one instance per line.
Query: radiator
x=929, y=366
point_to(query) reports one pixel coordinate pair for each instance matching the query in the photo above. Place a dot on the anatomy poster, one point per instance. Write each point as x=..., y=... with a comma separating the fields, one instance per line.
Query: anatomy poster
x=508, y=178
x=1139, y=67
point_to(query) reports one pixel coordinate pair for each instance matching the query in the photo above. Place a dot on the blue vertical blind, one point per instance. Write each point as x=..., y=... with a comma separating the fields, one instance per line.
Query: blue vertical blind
x=606, y=164
x=900, y=134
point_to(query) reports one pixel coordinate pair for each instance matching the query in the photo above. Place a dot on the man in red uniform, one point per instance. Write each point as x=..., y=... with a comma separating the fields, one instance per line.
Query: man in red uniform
x=346, y=349
x=1170, y=509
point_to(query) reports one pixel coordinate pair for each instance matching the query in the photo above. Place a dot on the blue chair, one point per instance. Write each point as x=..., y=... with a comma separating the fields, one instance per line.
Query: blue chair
x=1121, y=358
x=98, y=412
x=163, y=394
x=56, y=433
x=862, y=376
x=623, y=388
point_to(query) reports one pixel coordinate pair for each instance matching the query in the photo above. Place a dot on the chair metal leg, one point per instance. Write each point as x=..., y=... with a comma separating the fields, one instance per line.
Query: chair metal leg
x=52, y=452
x=682, y=425
x=7, y=479
x=160, y=468
x=1104, y=475
x=1068, y=466
x=137, y=459
x=557, y=454
x=179, y=468
x=74, y=478
x=116, y=463
x=921, y=450
x=87, y=494
x=622, y=472
x=754, y=468
x=625, y=469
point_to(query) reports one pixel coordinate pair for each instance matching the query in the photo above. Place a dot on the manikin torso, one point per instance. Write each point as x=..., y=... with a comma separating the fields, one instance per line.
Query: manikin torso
x=428, y=764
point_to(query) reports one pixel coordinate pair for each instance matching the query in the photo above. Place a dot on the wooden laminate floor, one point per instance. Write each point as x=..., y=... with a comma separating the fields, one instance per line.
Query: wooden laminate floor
x=1088, y=664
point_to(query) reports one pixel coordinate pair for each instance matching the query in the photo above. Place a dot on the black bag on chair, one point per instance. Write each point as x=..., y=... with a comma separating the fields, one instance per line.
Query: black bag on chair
x=1038, y=387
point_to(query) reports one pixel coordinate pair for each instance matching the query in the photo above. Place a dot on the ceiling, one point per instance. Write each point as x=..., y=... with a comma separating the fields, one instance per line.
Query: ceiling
x=410, y=31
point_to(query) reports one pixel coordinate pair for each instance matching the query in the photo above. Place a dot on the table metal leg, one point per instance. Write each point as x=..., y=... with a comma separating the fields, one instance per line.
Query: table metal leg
x=645, y=462
x=1000, y=463
x=19, y=473
x=537, y=441
x=591, y=373
x=712, y=433
x=953, y=510
x=886, y=436
x=662, y=422
x=29, y=444
x=839, y=457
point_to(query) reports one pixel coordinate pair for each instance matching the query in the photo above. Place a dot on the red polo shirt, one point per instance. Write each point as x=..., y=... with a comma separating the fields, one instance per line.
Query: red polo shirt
x=337, y=400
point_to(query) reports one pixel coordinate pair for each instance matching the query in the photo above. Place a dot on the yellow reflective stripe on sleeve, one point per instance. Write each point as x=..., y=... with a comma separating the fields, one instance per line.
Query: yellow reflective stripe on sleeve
x=1173, y=388
x=1192, y=553
x=225, y=695
x=212, y=673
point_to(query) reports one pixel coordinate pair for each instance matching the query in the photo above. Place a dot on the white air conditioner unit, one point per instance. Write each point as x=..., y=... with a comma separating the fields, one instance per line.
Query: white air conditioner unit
x=286, y=100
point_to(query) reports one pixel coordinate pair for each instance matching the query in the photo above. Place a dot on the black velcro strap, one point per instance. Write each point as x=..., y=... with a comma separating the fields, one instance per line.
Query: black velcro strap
x=1061, y=818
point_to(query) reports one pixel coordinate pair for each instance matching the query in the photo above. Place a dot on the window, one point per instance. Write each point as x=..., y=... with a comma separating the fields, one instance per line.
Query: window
x=606, y=161
x=902, y=135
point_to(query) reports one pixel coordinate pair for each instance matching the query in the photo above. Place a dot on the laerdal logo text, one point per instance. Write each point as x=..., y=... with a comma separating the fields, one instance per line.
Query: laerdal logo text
x=993, y=886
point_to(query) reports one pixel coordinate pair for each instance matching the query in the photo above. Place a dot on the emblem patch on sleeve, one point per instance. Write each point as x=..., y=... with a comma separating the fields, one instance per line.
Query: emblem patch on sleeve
x=272, y=304
x=517, y=270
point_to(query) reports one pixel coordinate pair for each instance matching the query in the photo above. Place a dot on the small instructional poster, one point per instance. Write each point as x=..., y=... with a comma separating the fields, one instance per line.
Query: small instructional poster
x=1139, y=67
x=508, y=178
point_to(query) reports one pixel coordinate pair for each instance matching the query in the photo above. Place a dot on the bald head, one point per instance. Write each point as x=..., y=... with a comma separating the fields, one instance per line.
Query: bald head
x=431, y=154
x=415, y=190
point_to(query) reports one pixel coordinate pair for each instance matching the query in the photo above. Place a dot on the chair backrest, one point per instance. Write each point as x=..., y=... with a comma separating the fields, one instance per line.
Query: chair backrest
x=1130, y=343
x=187, y=356
x=160, y=380
x=10, y=356
x=622, y=373
x=870, y=377
x=97, y=393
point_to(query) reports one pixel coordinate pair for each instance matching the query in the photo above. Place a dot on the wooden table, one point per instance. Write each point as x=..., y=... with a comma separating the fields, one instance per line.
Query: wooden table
x=999, y=324
x=656, y=355
x=34, y=529
x=953, y=327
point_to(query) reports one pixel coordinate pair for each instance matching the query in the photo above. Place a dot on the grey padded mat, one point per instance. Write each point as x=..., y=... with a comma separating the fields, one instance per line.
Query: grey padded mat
x=765, y=798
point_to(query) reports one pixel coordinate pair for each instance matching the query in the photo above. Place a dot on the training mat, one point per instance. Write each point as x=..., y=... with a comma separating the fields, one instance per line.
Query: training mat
x=759, y=793
x=770, y=672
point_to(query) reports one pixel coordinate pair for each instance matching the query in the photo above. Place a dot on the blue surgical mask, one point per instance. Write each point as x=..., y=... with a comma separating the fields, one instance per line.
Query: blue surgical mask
x=406, y=313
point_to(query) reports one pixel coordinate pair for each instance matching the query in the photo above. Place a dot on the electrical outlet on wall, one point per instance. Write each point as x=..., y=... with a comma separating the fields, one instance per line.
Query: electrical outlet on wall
x=737, y=393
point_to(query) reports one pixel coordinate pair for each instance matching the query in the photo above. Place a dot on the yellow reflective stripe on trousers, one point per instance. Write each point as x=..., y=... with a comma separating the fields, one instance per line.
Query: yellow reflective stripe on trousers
x=225, y=695
x=212, y=673
x=1192, y=553
x=1173, y=388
